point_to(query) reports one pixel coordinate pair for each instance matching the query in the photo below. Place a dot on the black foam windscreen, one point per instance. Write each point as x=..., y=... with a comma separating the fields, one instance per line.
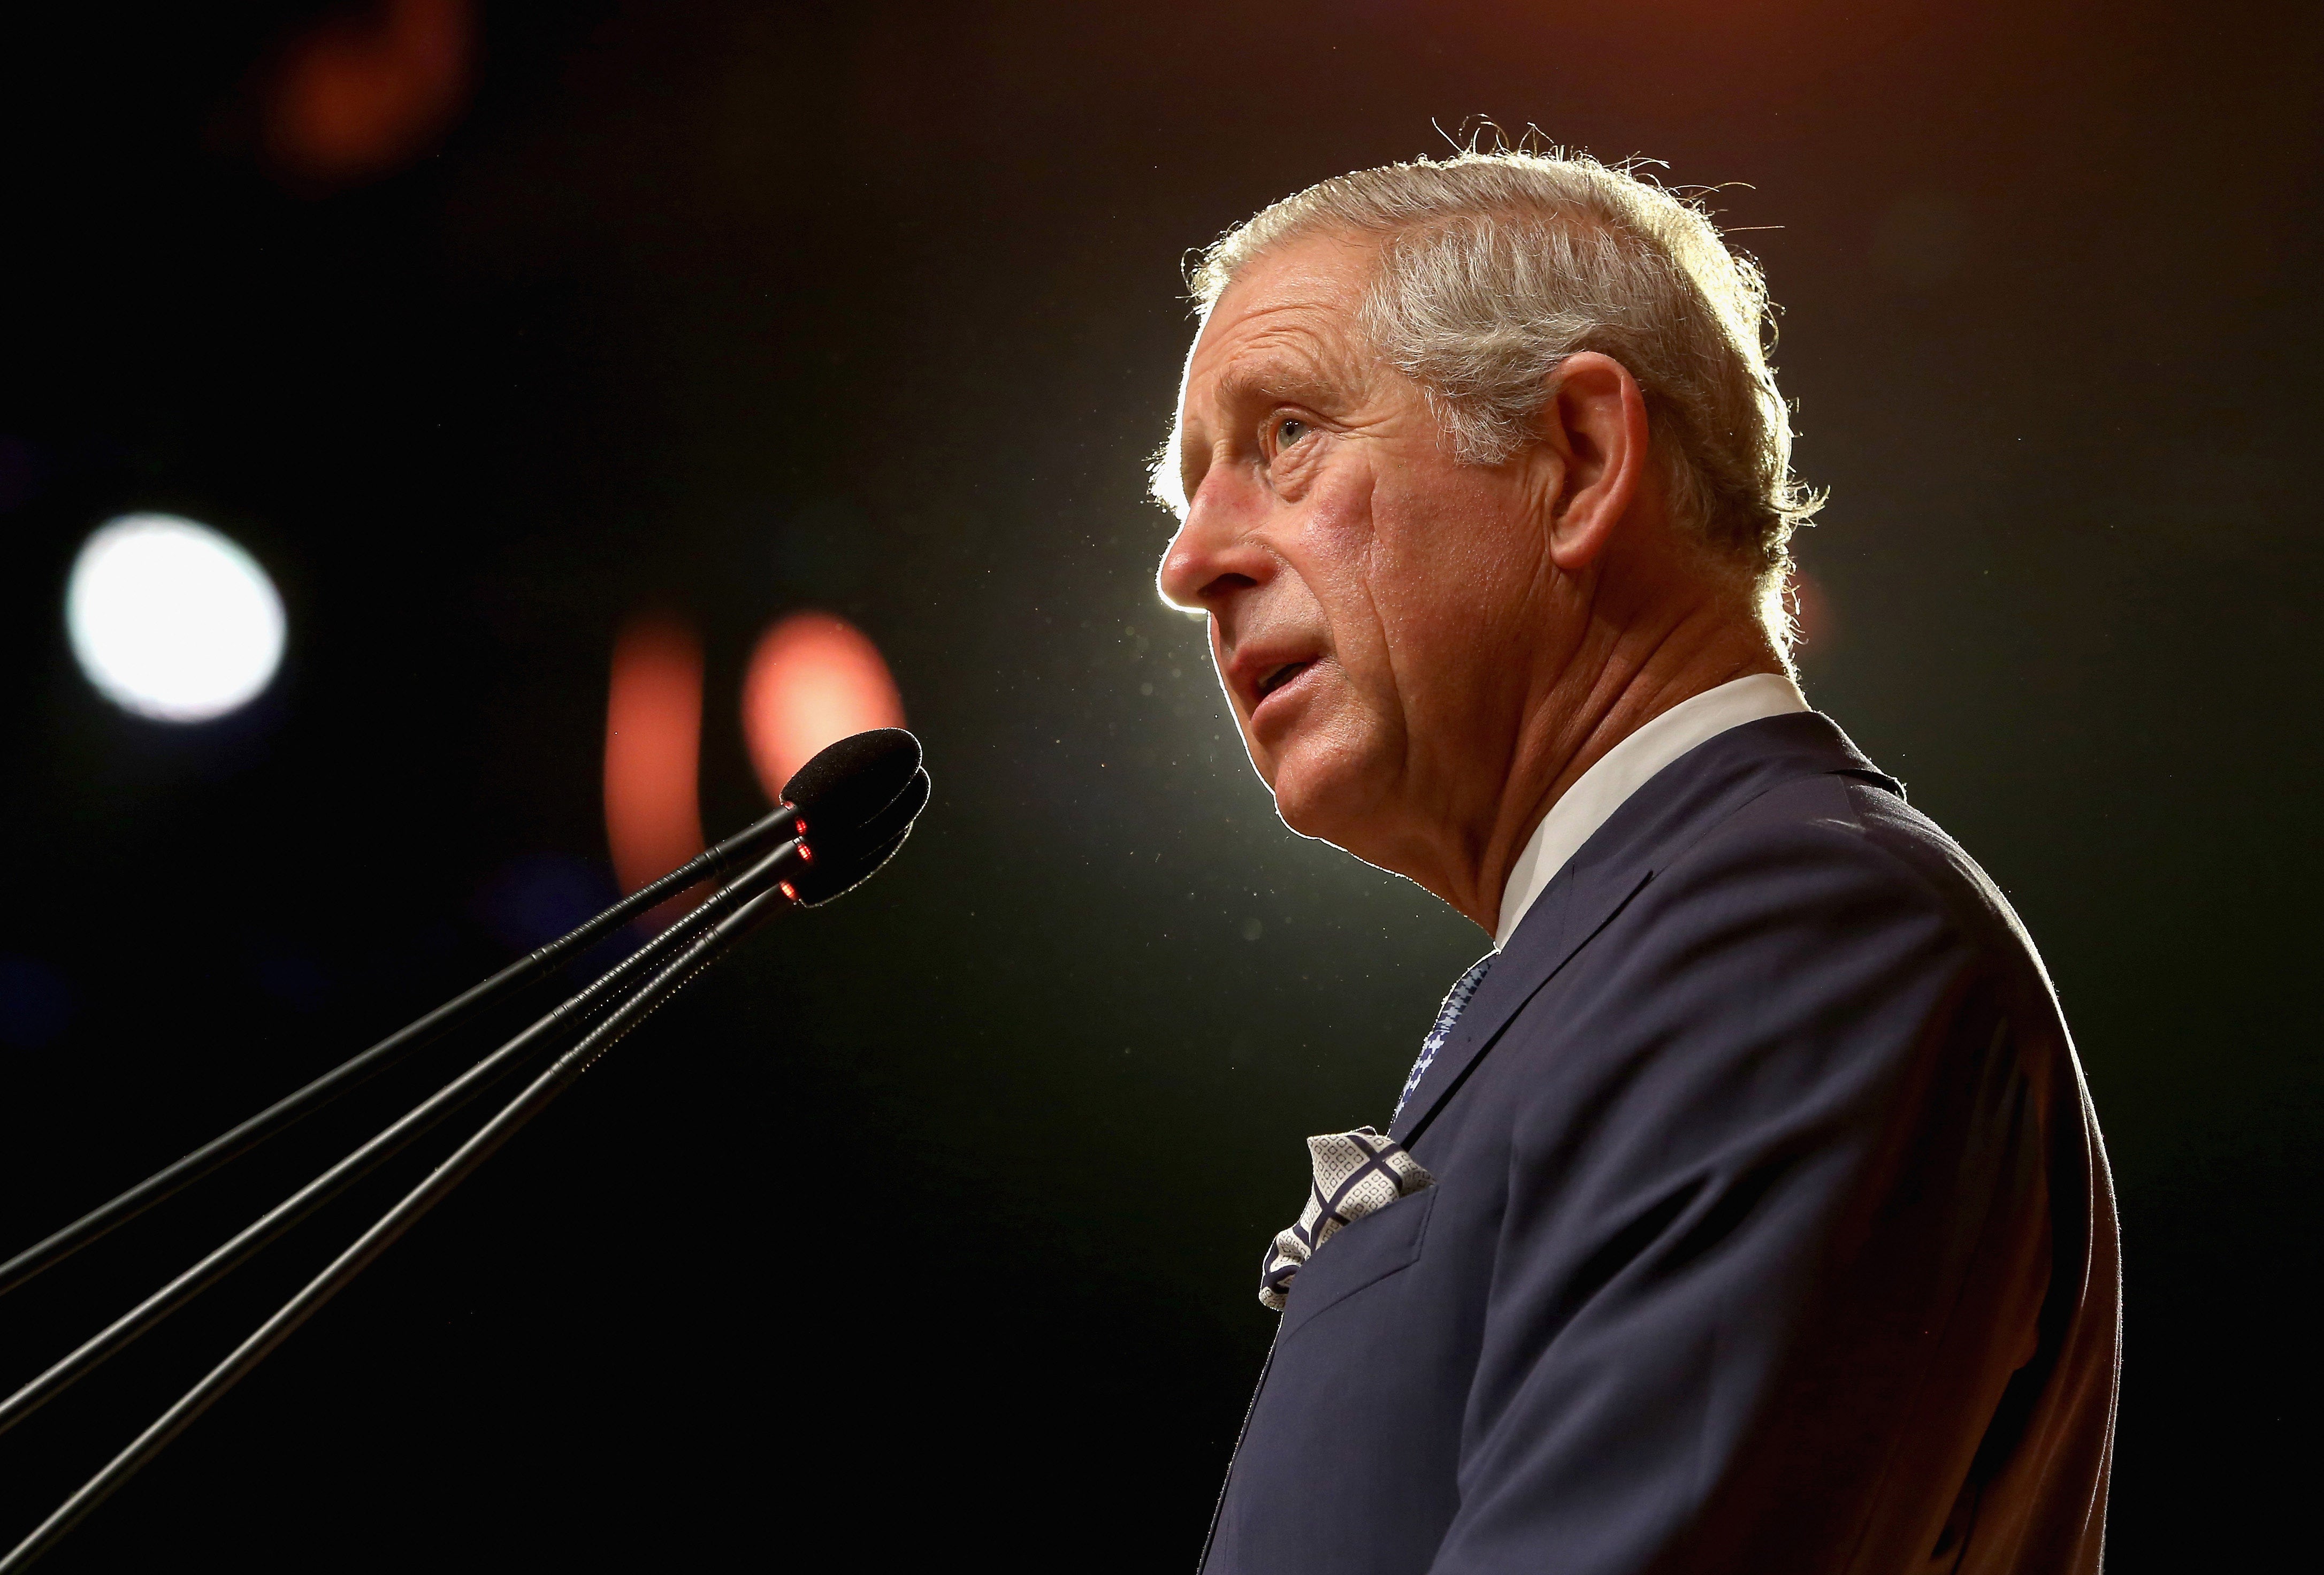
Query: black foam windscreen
x=826, y=885
x=852, y=781
x=897, y=815
x=845, y=861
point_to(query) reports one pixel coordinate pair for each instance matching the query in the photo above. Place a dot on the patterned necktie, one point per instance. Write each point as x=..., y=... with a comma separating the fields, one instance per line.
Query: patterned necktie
x=1446, y=1016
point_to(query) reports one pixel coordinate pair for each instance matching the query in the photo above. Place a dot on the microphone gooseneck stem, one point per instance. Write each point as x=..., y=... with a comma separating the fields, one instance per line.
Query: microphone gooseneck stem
x=233, y=1144
x=421, y=1119
x=703, y=949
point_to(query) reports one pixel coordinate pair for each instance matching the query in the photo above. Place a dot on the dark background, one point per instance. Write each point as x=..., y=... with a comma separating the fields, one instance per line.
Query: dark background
x=929, y=1229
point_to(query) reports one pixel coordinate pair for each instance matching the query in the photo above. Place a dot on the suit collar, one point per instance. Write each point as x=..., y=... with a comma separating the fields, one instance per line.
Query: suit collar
x=1622, y=770
x=1652, y=828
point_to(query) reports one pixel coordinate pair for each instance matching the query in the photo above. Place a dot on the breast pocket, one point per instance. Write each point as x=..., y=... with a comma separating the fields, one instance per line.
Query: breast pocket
x=1357, y=1256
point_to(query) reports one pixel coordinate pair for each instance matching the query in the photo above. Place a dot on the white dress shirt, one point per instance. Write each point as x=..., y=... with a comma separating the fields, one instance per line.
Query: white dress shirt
x=1624, y=770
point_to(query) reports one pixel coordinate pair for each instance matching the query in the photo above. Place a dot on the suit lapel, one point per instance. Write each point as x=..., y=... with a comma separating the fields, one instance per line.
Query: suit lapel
x=1658, y=822
x=1570, y=910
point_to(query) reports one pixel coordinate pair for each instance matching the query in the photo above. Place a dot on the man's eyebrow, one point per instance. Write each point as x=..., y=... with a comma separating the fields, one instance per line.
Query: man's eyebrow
x=1274, y=374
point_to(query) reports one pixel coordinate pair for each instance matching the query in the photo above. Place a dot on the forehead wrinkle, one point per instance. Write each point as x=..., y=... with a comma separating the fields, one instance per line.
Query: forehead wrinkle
x=1293, y=340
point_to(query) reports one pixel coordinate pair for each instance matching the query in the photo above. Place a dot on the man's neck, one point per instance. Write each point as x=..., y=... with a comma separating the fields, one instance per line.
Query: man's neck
x=1607, y=691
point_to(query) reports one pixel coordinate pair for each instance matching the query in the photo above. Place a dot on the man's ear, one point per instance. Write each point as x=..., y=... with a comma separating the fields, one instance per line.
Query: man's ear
x=1594, y=425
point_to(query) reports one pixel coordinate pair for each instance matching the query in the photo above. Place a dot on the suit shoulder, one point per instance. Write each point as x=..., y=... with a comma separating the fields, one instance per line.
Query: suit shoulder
x=1843, y=834
x=1821, y=948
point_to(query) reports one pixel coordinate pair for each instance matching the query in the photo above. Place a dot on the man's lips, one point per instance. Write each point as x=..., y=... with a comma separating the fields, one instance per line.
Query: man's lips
x=1282, y=679
x=1271, y=681
x=1259, y=673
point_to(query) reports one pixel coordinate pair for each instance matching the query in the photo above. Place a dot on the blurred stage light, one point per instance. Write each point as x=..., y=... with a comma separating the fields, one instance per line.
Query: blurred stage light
x=813, y=679
x=653, y=747
x=170, y=619
x=368, y=89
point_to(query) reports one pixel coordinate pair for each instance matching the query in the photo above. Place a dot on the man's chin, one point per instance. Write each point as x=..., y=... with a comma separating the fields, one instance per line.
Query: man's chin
x=1322, y=799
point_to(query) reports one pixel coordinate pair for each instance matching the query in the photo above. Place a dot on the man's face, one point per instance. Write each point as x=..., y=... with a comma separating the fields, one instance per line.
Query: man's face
x=1376, y=609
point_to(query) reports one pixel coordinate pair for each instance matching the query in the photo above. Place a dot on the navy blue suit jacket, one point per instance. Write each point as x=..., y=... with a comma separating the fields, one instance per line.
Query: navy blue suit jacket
x=1770, y=1231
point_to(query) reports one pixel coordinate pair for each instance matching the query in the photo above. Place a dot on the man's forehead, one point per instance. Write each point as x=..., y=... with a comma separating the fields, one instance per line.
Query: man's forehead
x=1290, y=315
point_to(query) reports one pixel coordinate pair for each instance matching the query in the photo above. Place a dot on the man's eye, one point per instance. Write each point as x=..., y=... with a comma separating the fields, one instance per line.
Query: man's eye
x=1289, y=431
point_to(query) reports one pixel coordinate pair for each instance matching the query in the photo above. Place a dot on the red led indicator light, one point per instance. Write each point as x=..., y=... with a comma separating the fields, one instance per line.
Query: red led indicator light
x=788, y=889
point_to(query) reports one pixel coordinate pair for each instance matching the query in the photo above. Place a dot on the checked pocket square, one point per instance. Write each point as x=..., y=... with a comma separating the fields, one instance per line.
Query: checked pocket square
x=1356, y=1174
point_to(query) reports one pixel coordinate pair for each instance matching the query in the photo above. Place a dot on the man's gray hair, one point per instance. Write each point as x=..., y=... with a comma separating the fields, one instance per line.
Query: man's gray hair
x=1494, y=267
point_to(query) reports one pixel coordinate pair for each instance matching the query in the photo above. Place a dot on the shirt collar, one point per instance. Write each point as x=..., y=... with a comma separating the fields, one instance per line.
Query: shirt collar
x=1626, y=768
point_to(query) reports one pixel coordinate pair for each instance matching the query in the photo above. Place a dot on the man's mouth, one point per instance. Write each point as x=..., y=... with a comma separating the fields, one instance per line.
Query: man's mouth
x=1281, y=676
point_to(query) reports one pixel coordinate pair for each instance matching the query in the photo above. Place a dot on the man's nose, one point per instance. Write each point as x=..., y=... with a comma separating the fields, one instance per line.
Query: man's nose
x=1216, y=551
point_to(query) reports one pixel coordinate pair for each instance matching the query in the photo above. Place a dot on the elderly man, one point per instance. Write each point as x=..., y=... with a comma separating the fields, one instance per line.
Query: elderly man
x=1745, y=1211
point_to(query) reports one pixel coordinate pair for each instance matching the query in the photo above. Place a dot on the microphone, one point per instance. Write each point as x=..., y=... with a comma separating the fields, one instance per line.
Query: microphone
x=849, y=809
x=836, y=864
x=843, y=788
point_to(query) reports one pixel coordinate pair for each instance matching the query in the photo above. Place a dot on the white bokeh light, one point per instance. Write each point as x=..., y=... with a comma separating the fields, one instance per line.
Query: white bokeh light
x=170, y=619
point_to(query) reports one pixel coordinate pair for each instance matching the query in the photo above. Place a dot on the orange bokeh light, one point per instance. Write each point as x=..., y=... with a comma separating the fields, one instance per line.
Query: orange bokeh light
x=365, y=91
x=813, y=679
x=653, y=749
